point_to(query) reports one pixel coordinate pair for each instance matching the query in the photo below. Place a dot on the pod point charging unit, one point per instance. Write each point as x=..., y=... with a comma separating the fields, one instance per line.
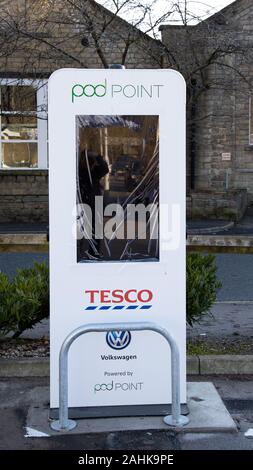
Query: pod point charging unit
x=117, y=245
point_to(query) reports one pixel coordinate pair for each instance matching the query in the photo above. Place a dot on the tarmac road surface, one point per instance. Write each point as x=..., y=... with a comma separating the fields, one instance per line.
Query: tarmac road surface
x=16, y=397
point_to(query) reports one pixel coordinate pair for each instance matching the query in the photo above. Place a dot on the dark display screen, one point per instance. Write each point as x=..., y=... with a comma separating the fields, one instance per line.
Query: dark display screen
x=117, y=188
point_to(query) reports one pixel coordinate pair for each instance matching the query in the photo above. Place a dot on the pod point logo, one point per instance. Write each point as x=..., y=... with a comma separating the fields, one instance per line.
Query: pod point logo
x=88, y=90
x=114, y=90
x=118, y=339
x=125, y=387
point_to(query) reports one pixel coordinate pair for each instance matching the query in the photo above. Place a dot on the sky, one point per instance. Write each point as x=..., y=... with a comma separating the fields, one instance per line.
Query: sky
x=165, y=11
x=219, y=4
x=199, y=8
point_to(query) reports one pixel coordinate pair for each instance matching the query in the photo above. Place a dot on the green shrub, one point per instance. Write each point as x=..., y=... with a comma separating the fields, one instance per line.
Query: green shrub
x=6, y=320
x=202, y=285
x=24, y=301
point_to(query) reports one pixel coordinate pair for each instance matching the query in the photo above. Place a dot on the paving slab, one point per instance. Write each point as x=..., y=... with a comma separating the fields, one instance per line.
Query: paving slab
x=203, y=226
x=228, y=320
x=207, y=413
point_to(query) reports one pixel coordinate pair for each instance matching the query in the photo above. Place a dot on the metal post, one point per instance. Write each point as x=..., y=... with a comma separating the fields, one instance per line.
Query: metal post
x=64, y=423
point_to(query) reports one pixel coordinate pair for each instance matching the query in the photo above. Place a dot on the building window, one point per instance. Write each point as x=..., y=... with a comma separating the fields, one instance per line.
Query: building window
x=23, y=120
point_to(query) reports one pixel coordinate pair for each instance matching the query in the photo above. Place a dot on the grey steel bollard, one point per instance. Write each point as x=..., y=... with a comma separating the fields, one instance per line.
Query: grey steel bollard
x=66, y=424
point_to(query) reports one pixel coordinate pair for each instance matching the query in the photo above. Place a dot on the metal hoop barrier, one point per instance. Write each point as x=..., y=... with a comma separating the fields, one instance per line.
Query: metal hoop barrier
x=64, y=423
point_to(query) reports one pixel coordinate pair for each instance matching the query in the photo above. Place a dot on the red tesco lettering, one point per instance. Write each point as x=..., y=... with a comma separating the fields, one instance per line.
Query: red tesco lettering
x=118, y=295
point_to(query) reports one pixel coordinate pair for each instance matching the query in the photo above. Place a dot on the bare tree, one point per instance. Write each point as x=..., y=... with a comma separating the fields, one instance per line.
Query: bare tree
x=37, y=37
x=40, y=36
x=67, y=32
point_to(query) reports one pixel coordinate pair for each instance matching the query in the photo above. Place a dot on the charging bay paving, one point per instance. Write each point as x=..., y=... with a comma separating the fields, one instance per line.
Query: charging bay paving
x=207, y=412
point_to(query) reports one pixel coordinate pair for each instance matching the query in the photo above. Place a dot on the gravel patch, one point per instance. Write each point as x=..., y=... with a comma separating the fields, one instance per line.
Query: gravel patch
x=229, y=345
x=11, y=348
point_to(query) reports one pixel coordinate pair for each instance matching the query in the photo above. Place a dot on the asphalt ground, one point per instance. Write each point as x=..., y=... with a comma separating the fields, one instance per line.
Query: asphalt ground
x=17, y=395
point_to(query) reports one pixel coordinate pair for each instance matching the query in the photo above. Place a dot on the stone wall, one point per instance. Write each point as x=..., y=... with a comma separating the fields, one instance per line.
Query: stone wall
x=223, y=90
x=228, y=205
x=24, y=196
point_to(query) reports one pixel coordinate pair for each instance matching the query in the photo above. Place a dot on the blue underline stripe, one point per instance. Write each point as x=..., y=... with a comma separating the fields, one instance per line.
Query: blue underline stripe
x=118, y=307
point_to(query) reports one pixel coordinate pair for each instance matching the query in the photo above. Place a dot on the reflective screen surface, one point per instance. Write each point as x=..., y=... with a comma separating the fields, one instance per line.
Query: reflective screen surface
x=117, y=184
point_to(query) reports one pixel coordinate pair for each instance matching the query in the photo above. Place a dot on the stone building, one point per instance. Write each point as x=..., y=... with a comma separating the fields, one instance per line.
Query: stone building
x=214, y=56
x=37, y=38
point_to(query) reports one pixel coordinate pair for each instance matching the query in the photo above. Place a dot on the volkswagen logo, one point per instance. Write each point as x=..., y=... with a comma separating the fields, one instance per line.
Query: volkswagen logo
x=118, y=339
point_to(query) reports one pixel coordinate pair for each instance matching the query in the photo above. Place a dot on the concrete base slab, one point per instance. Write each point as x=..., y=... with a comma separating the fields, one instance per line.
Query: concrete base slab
x=207, y=413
